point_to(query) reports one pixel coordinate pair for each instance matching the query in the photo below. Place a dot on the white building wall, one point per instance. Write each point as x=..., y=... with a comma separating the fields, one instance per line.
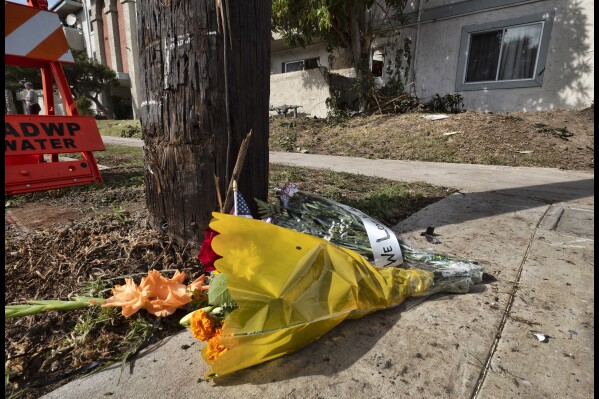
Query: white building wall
x=309, y=88
x=311, y=51
x=130, y=17
x=88, y=35
x=568, y=78
x=306, y=88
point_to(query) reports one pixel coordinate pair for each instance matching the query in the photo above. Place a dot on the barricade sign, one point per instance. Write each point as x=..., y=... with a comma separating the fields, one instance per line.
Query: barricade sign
x=27, y=138
x=30, y=32
x=34, y=38
x=50, y=134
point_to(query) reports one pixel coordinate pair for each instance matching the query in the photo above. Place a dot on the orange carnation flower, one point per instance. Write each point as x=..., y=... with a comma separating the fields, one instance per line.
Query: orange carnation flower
x=198, y=285
x=214, y=348
x=202, y=325
x=166, y=295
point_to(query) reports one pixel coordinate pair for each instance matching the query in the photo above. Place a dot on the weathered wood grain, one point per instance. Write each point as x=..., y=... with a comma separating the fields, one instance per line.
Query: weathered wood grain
x=183, y=114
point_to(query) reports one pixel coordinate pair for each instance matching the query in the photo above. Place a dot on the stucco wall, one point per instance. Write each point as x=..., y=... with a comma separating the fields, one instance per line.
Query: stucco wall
x=306, y=88
x=311, y=51
x=568, y=77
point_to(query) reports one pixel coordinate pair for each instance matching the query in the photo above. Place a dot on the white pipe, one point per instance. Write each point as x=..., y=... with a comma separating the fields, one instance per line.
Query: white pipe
x=88, y=47
x=420, y=3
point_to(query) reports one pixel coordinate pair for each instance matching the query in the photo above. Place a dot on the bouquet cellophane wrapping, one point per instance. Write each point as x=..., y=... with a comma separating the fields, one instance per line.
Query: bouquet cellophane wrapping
x=346, y=226
x=291, y=288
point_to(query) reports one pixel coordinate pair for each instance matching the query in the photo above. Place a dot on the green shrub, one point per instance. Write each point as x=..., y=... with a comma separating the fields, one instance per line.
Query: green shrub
x=452, y=103
x=84, y=106
x=130, y=131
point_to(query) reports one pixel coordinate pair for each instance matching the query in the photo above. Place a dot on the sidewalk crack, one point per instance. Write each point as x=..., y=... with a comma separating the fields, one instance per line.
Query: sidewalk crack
x=506, y=313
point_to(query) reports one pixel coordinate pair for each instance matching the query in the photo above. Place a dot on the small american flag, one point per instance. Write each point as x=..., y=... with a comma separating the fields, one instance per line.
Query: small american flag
x=241, y=206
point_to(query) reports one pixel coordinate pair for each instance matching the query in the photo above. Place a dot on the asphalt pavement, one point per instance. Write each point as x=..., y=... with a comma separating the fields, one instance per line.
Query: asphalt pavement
x=529, y=333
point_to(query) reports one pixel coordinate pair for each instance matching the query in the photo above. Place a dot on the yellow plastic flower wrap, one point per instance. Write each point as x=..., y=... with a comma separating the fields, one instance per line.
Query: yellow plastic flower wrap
x=290, y=289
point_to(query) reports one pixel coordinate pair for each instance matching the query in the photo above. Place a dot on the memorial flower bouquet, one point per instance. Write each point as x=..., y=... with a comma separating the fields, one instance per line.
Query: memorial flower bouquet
x=277, y=290
x=276, y=287
x=352, y=229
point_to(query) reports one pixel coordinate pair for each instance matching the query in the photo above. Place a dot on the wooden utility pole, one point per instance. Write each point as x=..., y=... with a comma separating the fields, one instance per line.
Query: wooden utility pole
x=205, y=79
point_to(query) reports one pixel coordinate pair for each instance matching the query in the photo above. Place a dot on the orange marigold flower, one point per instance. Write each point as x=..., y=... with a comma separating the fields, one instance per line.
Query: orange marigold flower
x=202, y=325
x=214, y=348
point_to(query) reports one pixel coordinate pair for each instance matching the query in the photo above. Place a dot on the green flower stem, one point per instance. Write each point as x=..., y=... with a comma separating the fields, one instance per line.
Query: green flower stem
x=35, y=307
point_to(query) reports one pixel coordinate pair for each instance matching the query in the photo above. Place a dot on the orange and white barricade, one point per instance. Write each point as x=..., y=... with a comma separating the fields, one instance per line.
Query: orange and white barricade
x=33, y=37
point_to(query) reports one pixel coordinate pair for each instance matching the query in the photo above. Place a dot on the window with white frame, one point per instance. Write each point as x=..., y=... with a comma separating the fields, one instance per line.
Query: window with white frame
x=504, y=54
x=300, y=65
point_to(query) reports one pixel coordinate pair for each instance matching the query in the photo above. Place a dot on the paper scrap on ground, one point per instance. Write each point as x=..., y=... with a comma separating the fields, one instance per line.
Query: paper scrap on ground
x=435, y=117
x=541, y=337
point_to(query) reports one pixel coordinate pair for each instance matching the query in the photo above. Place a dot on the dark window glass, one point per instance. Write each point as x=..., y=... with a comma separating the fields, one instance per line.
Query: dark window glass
x=506, y=54
x=377, y=68
x=377, y=62
x=483, y=56
x=311, y=63
x=294, y=66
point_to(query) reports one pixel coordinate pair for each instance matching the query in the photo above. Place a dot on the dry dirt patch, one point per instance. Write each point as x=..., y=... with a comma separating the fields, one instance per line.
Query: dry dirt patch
x=555, y=139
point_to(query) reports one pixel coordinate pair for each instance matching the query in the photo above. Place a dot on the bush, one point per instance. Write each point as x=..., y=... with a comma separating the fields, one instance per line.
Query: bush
x=405, y=103
x=337, y=110
x=452, y=103
x=84, y=106
x=130, y=131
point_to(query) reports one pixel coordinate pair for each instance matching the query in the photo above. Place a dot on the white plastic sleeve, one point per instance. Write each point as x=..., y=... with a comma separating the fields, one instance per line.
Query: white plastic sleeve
x=383, y=241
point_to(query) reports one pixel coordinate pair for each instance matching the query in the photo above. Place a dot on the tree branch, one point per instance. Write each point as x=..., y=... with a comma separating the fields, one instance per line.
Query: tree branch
x=345, y=38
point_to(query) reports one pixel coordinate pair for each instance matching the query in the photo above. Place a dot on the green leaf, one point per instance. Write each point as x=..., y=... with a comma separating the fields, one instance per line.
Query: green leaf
x=266, y=210
x=218, y=293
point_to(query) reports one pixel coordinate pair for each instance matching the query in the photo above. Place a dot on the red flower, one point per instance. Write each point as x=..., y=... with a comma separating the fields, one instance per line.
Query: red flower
x=207, y=256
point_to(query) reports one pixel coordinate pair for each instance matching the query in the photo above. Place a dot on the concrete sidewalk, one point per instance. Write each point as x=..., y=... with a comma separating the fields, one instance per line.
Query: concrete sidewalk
x=531, y=227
